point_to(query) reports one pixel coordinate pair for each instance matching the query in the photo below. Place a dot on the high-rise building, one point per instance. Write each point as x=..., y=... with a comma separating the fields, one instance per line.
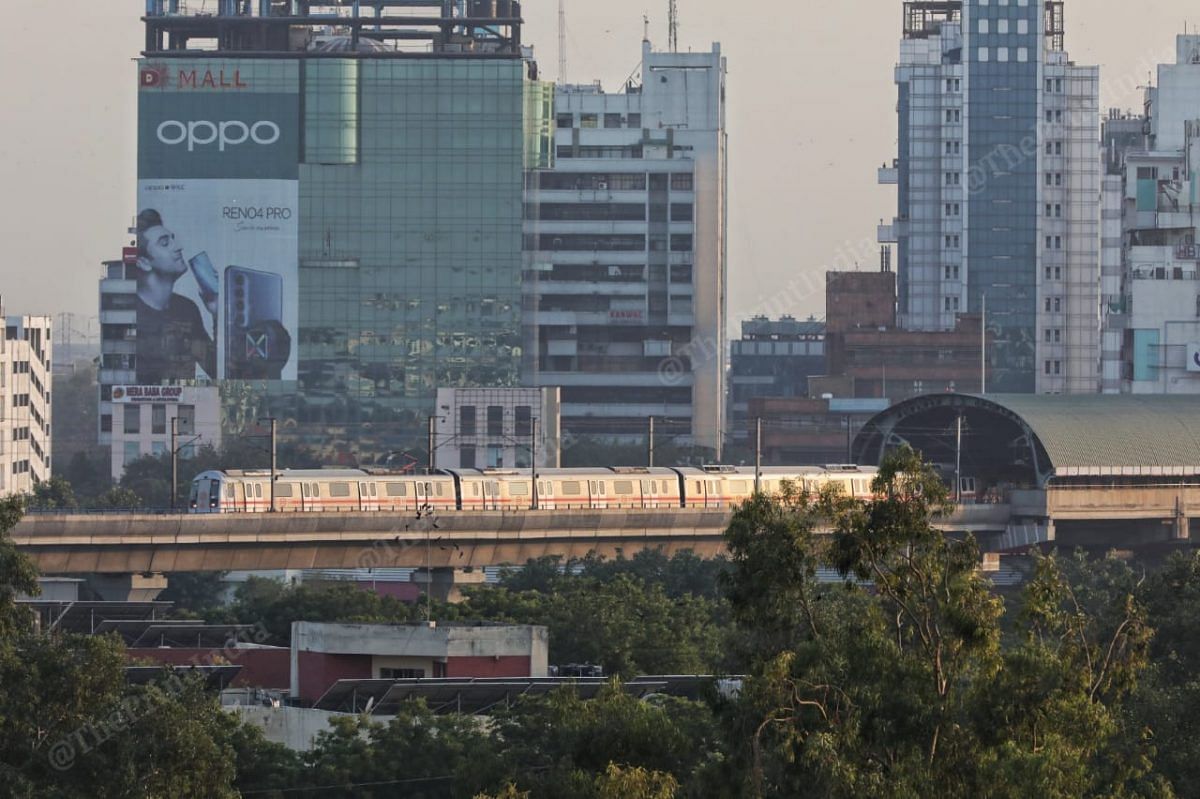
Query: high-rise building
x=999, y=188
x=26, y=369
x=330, y=208
x=625, y=279
x=1151, y=229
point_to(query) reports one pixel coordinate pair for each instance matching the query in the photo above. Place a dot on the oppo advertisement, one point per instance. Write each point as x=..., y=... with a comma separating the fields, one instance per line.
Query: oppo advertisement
x=217, y=280
x=217, y=224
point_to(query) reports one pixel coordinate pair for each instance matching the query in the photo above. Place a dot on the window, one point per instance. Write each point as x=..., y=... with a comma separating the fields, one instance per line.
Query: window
x=466, y=457
x=158, y=420
x=635, y=121
x=401, y=674
x=495, y=457
x=106, y=423
x=571, y=488
x=495, y=421
x=681, y=182
x=466, y=420
x=396, y=489
x=1002, y=54
x=132, y=451
x=983, y=27
x=588, y=121
x=523, y=421
x=283, y=490
x=1058, y=367
x=1022, y=27
x=339, y=489
x=133, y=419
x=983, y=54
x=565, y=120
x=613, y=121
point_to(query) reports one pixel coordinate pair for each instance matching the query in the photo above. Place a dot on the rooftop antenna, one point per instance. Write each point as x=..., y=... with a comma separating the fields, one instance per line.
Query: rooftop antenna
x=673, y=34
x=645, y=27
x=562, y=41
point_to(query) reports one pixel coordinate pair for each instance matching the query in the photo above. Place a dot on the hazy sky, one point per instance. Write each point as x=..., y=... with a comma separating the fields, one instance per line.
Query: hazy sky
x=811, y=116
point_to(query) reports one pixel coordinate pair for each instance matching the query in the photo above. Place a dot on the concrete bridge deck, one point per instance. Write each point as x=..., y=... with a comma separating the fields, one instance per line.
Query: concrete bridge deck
x=163, y=544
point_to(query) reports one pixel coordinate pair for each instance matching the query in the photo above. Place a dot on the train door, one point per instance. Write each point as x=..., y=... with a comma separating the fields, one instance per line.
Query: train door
x=546, y=495
x=491, y=492
x=649, y=495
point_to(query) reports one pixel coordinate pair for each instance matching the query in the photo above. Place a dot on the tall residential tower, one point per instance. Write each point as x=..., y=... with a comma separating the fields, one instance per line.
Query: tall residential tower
x=999, y=188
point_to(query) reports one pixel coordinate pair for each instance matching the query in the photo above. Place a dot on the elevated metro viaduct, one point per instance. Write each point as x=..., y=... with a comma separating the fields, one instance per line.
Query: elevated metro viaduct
x=1098, y=472
x=137, y=552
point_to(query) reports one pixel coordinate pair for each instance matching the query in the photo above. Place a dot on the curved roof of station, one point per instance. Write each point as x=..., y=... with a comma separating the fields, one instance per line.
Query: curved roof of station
x=1078, y=435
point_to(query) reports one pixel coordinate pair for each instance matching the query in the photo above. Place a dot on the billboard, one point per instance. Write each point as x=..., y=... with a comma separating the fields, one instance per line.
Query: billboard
x=218, y=223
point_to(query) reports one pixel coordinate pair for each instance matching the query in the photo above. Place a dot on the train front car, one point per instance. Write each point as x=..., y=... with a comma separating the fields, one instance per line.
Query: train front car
x=208, y=489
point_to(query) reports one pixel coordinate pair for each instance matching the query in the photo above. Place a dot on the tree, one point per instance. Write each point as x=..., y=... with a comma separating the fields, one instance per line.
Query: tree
x=562, y=746
x=891, y=690
x=635, y=783
x=195, y=592
x=71, y=727
x=52, y=494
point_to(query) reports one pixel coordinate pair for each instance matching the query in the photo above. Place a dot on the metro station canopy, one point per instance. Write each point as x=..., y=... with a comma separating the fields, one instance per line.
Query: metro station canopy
x=1028, y=440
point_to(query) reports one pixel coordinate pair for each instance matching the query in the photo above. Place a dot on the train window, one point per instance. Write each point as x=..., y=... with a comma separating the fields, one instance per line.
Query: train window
x=571, y=488
x=230, y=492
x=667, y=486
x=647, y=487
x=258, y=490
x=602, y=487
x=283, y=490
x=699, y=487
x=475, y=489
x=304, y=489
x=339, y=489
x=518, y=489
x=439, y=489
x=396, y=489
x=373, y=493
x=314, y=490
x=623, y=487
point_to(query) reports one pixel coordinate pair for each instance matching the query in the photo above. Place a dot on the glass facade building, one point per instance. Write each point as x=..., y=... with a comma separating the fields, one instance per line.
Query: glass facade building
x=998, y=177
x=410, y=162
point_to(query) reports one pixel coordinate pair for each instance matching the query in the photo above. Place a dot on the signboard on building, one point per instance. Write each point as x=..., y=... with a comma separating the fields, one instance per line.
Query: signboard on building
x=218, y=221
x=1193, y=357
x=128, y=395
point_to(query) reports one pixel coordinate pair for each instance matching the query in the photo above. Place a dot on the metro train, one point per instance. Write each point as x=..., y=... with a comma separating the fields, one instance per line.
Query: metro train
x=354, y=490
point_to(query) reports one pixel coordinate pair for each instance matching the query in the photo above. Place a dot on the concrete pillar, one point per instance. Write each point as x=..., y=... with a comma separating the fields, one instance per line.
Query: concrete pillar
x=446, y=584
x=128, y=587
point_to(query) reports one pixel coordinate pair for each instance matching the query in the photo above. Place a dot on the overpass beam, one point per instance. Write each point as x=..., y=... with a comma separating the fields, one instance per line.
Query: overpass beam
x=128, y=587
x=446, y=584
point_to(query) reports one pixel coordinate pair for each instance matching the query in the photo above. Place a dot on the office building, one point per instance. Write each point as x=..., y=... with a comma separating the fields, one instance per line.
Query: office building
x=497, y=428
x=330, y=208
x=773, y=358
x=136, y=419
x=1151, y=225
x=625, y=279
x=998, y=180
x=26, y=368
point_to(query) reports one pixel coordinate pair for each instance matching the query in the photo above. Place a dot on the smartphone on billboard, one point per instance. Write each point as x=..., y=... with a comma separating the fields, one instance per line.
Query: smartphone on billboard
x=257, y=346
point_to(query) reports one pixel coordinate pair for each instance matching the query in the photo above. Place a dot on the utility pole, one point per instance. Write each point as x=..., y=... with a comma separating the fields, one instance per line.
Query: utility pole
x=757, y=453
x=432, y=445
x=274, y=464
x=958, y=461
x=849, y=445
x=650, y=445
x=533, y=452
x=174, y=461
x=983, y=349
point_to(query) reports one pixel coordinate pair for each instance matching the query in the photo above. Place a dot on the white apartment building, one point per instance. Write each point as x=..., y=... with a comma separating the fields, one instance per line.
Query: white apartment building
x=497, y=428
x=135, y=420
x=625, y=280
x=25, y=381
x=1152, y=226
x=998, y=180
